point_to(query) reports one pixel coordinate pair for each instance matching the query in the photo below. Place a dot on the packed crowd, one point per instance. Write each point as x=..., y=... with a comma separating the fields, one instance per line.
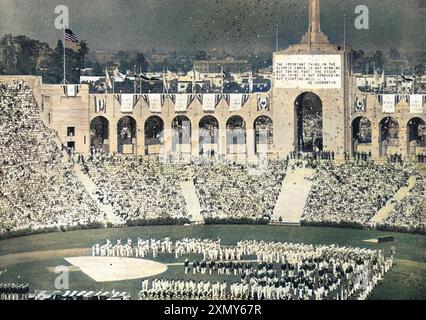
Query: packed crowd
x=271, y=271
x=137, y=188
x=238, y=190
x=144, y=188
x=352, y=192
x=409, y=215
x=39, y=188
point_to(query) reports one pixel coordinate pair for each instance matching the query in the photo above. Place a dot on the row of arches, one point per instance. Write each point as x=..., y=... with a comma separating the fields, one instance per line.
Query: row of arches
x=389, y=134
x=181, y=133
x=308, y=130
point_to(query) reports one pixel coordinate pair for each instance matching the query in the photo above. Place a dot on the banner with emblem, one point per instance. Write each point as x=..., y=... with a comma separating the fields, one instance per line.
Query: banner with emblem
x=263, y=103
x=416, y=103
x=209, y=101
x=388, y=103
x=236, y=101
x=182, y=101
x=71, y=90
x=126, y=102
x=360, y=104
x=100, y=104
x=155, y=102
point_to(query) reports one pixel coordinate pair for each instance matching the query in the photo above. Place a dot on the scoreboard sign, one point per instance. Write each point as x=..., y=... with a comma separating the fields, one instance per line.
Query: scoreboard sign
x=308, y=71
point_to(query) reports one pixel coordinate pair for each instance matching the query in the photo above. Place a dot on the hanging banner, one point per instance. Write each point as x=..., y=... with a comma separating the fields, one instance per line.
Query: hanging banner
x=416, y=103
x=127, y=102
x=100, y=104
x=155, y=102
x=71, y=90
x=360, y=104
x=182, y=102
x=235, y=102
x=263, y=102
x=209, y=101
x=388, y=103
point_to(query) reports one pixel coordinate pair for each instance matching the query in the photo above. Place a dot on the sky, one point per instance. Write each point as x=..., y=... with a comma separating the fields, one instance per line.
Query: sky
x=237, y=26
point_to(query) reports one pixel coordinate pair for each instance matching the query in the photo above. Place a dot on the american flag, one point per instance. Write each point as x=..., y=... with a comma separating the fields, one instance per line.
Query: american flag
x=71, y=37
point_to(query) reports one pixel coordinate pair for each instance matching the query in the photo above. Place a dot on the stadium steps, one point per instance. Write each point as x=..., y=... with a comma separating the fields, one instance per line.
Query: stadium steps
x=91, y=188
x=294, y=193
x=384, y=212
x=192, y=202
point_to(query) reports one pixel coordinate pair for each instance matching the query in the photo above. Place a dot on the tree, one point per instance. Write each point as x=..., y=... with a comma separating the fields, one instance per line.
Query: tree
x=53, y=72
x=379, y=61
x=394, y=54
x=419, y=70
x=201, y=55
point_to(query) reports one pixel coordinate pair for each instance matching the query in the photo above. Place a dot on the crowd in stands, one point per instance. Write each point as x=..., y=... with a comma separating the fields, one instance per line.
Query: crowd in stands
x=409, y=214
x=41, y=190
x=138, y=188
x=238, y=190
x=352, y=192
x=38, y=186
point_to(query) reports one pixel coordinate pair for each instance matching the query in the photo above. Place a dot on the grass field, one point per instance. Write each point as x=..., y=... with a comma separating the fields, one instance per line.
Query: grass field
x=405, y=281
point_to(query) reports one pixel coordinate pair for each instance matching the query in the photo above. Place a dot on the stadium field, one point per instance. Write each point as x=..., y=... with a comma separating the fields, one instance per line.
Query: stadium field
x=33, y=259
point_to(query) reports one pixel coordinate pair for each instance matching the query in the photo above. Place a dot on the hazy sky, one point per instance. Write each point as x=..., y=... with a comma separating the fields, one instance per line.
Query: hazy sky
x=234, y=25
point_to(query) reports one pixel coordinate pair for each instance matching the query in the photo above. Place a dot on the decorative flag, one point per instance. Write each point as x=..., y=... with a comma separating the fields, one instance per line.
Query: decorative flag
x=71, y=40
x=263, y=102
x=416, y=103
x=108, y=82
x=100, y=104
x=360, y=104
x=118, y=77
x=388, y=103
x=250, y=82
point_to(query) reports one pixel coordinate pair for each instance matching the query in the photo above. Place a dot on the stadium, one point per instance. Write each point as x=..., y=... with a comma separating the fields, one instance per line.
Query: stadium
x=312, y=191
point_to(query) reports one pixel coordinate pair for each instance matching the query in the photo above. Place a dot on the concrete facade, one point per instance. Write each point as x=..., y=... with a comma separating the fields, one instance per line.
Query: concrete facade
x=62, y=112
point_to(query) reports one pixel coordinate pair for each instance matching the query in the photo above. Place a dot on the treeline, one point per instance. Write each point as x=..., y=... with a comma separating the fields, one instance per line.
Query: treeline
x=20, y=55
x=392, y=62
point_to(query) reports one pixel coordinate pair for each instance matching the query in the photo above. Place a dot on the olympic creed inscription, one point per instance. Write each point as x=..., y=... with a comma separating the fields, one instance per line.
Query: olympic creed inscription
x=308, y=71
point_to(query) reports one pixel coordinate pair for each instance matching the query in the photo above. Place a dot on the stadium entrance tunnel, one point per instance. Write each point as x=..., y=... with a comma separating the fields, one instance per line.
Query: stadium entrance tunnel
x=236, y=136
x=416, y=135
x=208, y=136
x=361, y=134
x=181, y=135
x=389, y=135
x=126, y=135
x=154, y=135
x=309, y=122
x=264, y=134
x=99, y=134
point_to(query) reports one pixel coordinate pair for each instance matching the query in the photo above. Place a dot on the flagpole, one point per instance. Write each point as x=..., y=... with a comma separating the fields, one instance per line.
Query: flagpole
x=134, y=80
x=113, y=82
x=277, y=46
x=140, y=81
x=221, y=74
x=164, y=84
x=65, y=78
